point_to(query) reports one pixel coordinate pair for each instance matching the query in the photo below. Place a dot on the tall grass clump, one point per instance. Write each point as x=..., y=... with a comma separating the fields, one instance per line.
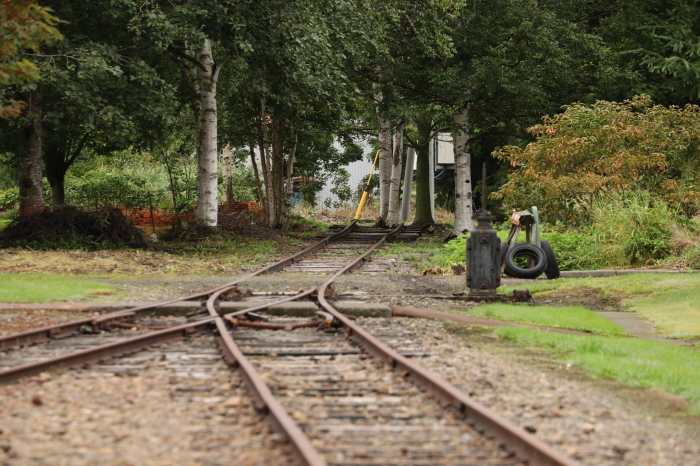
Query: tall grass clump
x=627, y=229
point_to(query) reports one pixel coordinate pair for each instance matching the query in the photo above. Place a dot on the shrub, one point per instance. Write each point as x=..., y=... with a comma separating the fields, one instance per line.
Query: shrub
x=101, y=188
x=9, y=198
x=588, y=152
x=633, y=228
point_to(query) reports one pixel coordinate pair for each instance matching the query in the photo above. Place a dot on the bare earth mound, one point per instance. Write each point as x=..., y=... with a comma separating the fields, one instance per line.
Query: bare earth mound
x=75, y=228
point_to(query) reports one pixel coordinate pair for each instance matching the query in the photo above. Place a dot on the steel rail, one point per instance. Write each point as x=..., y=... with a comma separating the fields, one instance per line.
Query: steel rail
x=106, y=351
x=304, y=452
x=516, y=439
x=67, y=329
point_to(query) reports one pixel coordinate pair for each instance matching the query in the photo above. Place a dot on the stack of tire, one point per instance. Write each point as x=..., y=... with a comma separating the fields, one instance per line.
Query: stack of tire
x=540, y=259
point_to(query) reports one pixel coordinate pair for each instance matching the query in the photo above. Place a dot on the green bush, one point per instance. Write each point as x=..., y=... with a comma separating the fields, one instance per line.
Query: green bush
x=9, y=198
x=627, y=228
x=633, y=227
x=105, y=188
x=243, y=184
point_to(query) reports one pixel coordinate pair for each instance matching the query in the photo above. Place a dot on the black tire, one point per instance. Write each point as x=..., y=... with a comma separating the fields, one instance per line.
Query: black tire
x=530, y=251
x=504, y=251
x=552, y=269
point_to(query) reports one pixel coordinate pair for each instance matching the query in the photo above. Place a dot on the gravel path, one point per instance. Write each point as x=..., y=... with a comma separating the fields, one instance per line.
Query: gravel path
x=594, y=426
x=178, y=404
x=155, y=415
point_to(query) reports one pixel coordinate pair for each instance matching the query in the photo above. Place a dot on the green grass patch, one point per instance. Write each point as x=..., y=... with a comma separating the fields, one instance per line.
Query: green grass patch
x=572, y=317
x=4, y=222
x=668, y=300
x=43, y=288
x=418, y=254
x=640, y=363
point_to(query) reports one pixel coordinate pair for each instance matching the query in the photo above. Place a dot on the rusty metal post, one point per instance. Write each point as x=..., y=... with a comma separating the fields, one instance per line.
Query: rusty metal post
x=483, y=252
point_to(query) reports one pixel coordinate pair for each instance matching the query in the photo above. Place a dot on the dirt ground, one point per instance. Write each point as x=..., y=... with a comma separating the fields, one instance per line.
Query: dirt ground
x=160, y=275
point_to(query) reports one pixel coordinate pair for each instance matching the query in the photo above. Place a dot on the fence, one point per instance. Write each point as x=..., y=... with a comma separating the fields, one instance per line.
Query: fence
x=163, y=217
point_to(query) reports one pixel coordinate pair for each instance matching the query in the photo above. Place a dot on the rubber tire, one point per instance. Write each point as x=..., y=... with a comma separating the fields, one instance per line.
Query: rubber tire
x=504, y=250
x=525, y=250
x=552, y=269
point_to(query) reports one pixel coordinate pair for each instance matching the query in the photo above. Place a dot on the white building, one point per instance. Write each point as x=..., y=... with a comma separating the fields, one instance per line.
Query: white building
x=442, y=151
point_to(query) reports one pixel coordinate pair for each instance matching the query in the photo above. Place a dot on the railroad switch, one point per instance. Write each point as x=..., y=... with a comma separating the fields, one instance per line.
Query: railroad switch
x=484, y=258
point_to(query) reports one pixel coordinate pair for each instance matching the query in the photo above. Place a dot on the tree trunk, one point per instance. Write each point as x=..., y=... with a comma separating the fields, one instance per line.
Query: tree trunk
x=290, y=163
x=407, y=184
x=423, y=210
x=278, y=166
x=261, y=197
x=392, y=218
x=384, y=137
x=463, y=186
x=226, y=173
x=265, y=161
x=207, y=154
x=31, y=187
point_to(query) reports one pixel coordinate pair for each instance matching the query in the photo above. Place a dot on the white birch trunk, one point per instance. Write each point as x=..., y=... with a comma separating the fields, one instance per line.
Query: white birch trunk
x=207, y=179
x=463, y=187
x=226, y=173
x=407, y=184
x=384, y=137
x=392, y=218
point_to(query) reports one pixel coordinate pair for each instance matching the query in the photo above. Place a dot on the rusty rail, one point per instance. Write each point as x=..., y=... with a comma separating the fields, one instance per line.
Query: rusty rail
x=67, y=329
x=516, y=439
x=106, y=351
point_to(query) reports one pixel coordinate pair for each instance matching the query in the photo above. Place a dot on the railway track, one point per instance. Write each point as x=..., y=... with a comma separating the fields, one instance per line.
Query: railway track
x=351, y=396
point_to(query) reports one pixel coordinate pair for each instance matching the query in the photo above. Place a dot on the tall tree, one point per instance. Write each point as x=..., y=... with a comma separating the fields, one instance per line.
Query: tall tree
x=24, y=26
x=509, y=62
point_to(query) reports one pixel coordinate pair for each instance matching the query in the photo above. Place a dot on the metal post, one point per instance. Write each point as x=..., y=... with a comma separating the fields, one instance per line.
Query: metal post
x=536, y=216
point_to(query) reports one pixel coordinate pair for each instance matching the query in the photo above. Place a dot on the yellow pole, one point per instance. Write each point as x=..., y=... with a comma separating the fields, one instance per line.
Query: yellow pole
x=365, y=192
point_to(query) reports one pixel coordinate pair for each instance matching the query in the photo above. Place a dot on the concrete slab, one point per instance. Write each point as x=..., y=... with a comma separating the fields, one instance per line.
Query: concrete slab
x=636, y=326
x=362, y=309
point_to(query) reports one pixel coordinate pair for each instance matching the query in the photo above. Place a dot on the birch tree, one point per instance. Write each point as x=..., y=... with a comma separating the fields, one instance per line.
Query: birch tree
x=463, y=187
x=394, y=207
x=505, y=64
x=207, y=73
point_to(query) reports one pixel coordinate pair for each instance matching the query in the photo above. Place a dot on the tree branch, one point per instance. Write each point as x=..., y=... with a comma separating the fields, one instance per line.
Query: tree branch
x=78, y=150
x=181, y=54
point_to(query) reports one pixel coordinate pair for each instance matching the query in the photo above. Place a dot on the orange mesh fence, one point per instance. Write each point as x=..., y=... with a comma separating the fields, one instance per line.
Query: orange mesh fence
x=30, y=210
x=163, y=217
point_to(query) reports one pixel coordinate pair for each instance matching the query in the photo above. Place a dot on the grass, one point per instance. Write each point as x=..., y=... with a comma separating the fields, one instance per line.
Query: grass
x=43, y=288
x=640, y=363
x=572, y=317
x=668, y=300
x=418, y=255
x=4, y=222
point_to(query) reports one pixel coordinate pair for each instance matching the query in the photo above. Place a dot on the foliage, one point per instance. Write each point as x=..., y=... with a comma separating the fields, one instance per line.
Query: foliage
x=637, y=362
x=589, y=152
x=633, y=227
x=656, y=40
x=243, y=183
x=341, y=189
x=103, y=188
x=23, y=25
x=8, y=198
x=576, y=250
